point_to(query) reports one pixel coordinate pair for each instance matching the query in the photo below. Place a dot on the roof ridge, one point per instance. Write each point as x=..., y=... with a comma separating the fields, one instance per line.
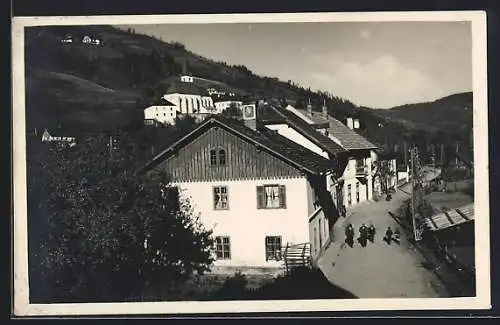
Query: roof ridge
x=226, y=122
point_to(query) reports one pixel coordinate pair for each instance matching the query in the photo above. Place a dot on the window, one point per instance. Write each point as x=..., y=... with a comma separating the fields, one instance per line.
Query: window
x=273, y=248
x=271, y=197
x=357, y=192
x=217, y=157
x=349, y=199
x=315, y=241
x=213, y=157
x=220, y=198
x=223, y=247
x=222, y=157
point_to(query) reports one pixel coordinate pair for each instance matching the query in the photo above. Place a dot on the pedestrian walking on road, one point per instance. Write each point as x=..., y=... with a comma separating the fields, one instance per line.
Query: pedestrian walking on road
x=343, y=212
x=371, y=232
x=363, y=233
x=397, y=236
x=388, y=235
x=349, y=235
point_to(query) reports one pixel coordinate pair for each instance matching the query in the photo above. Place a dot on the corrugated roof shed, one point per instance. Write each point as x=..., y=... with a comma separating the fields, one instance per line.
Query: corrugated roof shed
x=450, y=218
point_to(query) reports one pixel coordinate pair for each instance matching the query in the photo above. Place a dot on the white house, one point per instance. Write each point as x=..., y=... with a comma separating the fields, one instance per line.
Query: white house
x=221, y=106
x=163, y=112
x=89, y=40
x=47, y=137
x=188, y=97
x=67, y=39
x=356, y=184
x=257, y=191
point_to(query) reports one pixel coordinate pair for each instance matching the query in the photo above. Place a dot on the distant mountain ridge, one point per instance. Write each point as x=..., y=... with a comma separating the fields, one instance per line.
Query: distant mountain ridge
x=455, y=110
x=140, y=68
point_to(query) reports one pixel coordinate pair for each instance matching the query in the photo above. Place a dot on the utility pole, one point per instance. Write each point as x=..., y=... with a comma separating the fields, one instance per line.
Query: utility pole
x=416, y=189
x=442, y=153
x=405, y=153
x=412, y=160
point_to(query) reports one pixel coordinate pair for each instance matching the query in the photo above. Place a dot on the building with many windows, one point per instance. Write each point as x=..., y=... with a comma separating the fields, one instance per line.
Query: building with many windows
x=257, y=190
x=339, y=142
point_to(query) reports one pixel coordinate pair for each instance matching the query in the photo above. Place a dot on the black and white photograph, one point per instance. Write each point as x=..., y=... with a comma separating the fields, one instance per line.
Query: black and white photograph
x=250, y=163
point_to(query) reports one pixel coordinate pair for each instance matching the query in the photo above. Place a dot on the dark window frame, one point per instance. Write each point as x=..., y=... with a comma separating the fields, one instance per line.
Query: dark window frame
x=274, y=247
x=262, y=197
x=220, y=188
x=223, y=247
x=218, y=157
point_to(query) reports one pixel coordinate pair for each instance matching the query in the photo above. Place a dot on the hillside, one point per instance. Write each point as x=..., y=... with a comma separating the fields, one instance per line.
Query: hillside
x=80, y=82
x=450, y=112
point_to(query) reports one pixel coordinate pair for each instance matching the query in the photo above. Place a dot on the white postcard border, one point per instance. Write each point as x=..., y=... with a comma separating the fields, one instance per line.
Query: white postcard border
x=22, y=307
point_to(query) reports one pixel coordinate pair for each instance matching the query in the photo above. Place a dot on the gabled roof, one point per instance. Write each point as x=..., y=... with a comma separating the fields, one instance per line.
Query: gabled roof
x=347, y=137
x=316, y=118
x=187, y=88
x=162, y=102
x=308, y=131
x=460, y=157
x=278, y=146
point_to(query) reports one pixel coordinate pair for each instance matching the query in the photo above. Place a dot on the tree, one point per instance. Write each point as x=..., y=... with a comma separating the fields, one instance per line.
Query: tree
x=384, y=173
x=98, y=229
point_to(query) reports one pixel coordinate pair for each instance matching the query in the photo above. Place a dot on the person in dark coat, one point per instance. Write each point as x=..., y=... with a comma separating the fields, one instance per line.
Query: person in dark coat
x=349, y=235
x=363, y=232
x=371, y=232
x=388, y=235
x=343, y=211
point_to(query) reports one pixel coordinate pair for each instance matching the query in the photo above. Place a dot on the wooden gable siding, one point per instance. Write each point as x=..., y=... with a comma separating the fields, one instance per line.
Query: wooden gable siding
x=192, y=162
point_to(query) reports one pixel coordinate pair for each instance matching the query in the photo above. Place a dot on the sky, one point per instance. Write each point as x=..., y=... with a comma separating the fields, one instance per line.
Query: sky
x=373, y=64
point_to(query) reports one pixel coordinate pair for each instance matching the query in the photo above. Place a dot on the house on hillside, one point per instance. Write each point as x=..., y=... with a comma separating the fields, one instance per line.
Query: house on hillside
x=161, y=112
x=91, y=40
x=189, y=98
x=221, y=106
x=257, y=190
x=68, y=38
x=55, y=137
x=334, y=140
x=456, y=161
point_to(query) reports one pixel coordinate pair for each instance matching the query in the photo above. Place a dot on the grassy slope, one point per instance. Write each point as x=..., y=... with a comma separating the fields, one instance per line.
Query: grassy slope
x=108, y=66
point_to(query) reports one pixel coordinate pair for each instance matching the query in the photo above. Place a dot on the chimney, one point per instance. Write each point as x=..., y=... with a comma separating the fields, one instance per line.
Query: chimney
x=309, y=108
x=350, y=123
x=355, y=123
x=324, y=110
x=250, y=115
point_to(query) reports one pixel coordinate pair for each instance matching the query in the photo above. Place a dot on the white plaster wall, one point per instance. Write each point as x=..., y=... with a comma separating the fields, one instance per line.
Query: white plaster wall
x=246, y=225
x=163, y=114
x=222, y=106
x=290, y=133
x=194, y=102
x=318, y=226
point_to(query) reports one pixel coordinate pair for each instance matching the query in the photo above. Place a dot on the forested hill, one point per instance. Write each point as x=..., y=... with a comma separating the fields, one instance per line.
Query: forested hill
x=102, y=87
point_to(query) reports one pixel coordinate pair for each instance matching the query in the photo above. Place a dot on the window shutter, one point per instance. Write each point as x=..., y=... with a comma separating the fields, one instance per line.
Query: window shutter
x=260, y=197
x=282, y=197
